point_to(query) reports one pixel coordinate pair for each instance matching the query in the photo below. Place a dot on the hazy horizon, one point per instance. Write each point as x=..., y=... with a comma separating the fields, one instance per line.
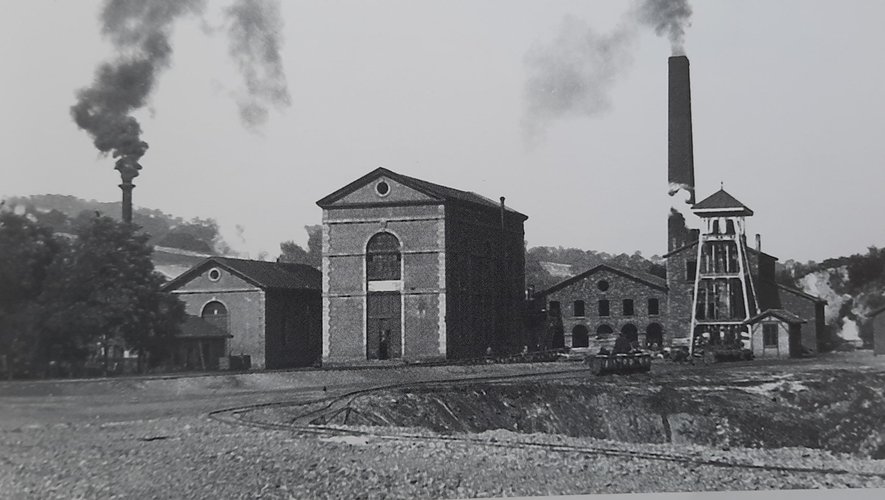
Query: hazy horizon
x=788, y=106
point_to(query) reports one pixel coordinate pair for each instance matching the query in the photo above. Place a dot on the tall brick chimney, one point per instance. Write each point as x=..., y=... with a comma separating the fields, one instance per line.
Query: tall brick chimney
x=681, y=158
x=680, y=165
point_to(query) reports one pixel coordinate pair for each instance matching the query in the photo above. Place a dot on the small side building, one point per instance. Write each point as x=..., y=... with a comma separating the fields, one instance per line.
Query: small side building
x=811, y=309
x=269, y=311
x=776, y=333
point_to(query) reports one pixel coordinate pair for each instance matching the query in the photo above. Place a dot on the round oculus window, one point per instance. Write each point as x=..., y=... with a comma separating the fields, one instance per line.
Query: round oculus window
x=602, y=285
x=214, y=274
x=382, y=188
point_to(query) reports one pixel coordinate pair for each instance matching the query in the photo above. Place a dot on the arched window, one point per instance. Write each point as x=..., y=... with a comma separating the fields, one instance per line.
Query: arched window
x=603, y=331
x=631, y=332
x=654, y=335
x=580, y=336
x=215, y=314
x=579, y=308
x=383, y=258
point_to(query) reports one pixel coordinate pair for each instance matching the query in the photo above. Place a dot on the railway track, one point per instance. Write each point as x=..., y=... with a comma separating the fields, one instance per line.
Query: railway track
x=321, y=410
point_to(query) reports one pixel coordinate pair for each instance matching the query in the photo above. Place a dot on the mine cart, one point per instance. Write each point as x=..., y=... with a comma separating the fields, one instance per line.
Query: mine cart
x=633, y=362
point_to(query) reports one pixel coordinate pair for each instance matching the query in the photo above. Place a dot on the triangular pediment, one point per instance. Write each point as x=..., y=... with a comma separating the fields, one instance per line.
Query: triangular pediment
x=721, y=202
x=380, y=186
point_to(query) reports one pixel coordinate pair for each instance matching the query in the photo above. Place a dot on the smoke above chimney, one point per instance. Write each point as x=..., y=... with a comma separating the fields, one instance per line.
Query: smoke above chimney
x=574, y=74
x=139, y=30
x=667, y=17
x=255, y=34
x=140, y=33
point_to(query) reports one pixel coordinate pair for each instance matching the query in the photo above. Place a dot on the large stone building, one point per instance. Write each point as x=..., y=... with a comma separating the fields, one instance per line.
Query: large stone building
x=600, y=303
x=413, y=270
x=268, y=311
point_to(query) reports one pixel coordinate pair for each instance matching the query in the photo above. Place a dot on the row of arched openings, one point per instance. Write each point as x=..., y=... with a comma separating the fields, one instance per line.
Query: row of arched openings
x=654, y=333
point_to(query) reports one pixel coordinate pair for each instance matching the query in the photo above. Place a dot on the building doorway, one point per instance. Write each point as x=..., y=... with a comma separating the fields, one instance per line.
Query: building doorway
x=654, y=335
x=795, y=340
x=630, y=332
x=383, y=330
x=580, y=336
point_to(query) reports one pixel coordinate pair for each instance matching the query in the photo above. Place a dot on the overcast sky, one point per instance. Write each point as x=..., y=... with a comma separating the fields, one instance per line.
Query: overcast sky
x=788, y=100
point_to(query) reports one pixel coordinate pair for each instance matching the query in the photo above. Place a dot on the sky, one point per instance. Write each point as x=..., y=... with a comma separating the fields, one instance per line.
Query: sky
x=788, y=101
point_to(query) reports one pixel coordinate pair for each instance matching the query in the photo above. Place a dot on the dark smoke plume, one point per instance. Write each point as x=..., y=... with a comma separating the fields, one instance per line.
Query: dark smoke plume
x=139, y=30
x=670, y=17
x=255, y=41
x=575, y=73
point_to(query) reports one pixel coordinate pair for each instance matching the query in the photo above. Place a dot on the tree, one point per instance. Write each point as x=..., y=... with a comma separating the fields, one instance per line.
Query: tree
x=26, y=251
x=293, y=253
x=103, y=287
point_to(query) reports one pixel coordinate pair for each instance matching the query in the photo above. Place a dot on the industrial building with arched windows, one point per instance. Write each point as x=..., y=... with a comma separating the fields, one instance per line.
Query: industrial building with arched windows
x=414, y=271
x=236, y=308
x=603, y=302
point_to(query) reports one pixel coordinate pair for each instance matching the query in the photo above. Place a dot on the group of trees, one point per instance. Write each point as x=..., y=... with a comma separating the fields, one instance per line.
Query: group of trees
x=293, y=253
x=857, y=282
x=63, y=213
x=580, y=261
x=64, y=297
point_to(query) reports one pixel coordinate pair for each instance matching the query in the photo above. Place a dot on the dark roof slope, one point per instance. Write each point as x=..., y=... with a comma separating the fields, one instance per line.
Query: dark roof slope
x=721, y=201
x=267, y=275
x=643, y=277
x=800, y=293
x=443, y=193
x=779, y=313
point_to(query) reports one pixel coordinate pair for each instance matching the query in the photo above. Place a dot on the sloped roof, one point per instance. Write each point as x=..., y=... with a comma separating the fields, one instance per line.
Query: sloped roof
x=721, y=201
x=643, y=277
x=800, y=293
x=778, y=313
x=263, y=274
x=440, y=192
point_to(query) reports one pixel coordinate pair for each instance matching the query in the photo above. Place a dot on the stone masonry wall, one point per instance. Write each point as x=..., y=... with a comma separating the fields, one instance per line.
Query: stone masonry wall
x=620, y=288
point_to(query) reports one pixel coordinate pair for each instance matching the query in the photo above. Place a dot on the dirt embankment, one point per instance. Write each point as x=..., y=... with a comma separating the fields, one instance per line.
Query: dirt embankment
x=835, y=410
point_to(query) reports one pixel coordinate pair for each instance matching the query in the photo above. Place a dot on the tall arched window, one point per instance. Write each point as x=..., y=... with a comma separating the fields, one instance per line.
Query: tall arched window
x=580, y=337
x=383, y=258
x=215, y=314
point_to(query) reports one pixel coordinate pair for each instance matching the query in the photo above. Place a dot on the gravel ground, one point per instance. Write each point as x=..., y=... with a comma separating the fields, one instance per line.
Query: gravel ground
x=145, y=438
x=194, y=457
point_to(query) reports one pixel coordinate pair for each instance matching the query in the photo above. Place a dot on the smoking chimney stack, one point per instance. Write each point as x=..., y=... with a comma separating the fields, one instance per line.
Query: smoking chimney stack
x=680, y=165
x=128, y=169
x=681, y=156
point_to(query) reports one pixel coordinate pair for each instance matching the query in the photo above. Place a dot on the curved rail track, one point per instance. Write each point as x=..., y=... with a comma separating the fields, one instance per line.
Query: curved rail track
x=325, y=408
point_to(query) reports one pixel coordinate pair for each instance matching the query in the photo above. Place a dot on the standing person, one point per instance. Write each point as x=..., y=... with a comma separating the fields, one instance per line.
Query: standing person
x=384, y=345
